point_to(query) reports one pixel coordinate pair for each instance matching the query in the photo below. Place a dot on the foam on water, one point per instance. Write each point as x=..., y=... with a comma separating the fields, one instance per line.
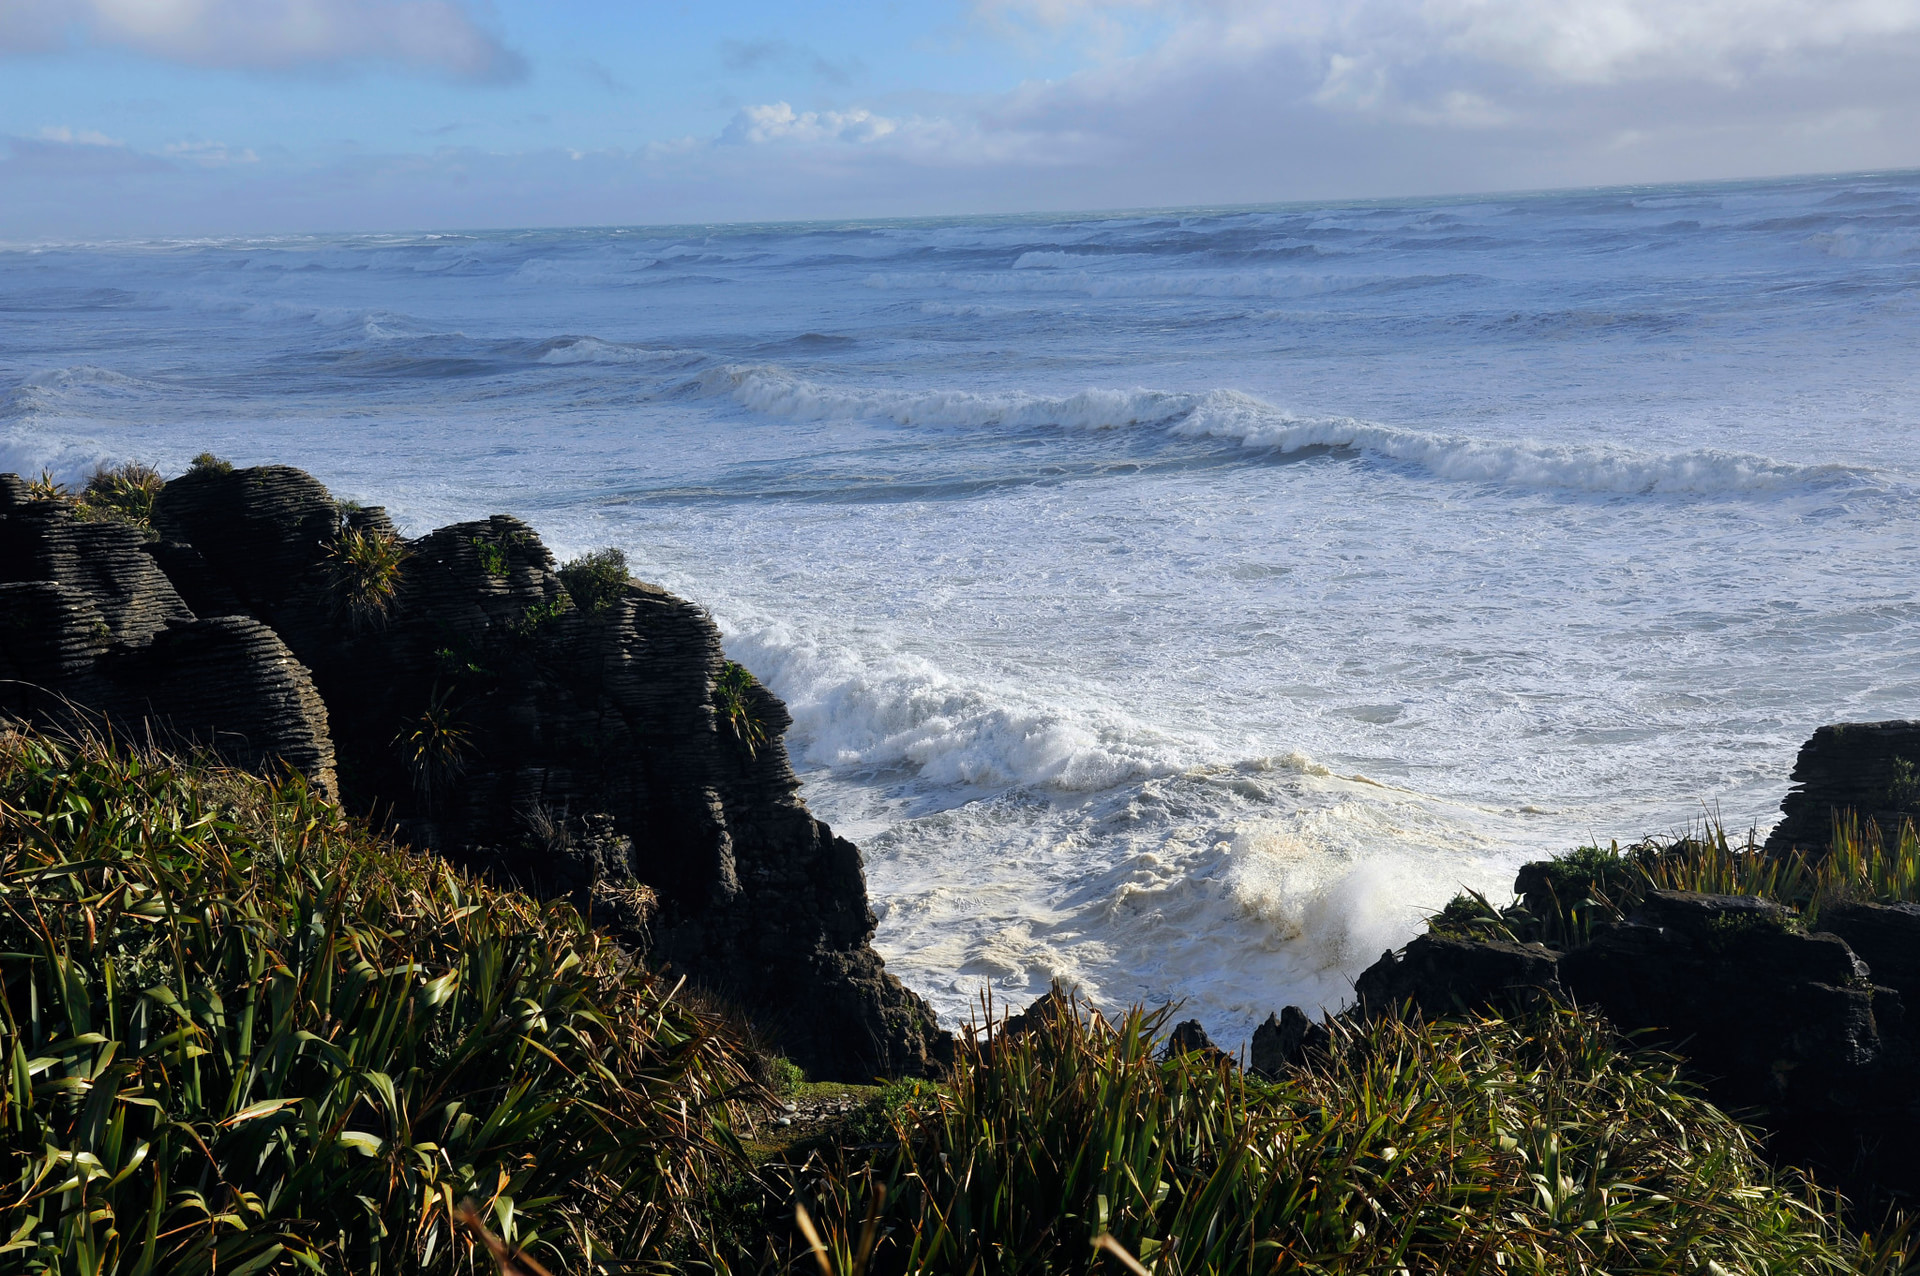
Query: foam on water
x=1175, y=603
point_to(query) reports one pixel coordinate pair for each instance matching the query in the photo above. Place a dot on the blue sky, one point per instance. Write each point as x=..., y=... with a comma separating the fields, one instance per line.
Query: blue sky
x=127, y=117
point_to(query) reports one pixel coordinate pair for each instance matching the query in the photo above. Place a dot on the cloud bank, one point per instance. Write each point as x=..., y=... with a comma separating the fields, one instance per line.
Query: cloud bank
x=1207, y=102
x=437, y=36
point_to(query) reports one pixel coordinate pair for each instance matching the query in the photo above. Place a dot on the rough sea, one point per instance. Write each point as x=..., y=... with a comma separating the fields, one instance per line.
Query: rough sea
x=1179, y=604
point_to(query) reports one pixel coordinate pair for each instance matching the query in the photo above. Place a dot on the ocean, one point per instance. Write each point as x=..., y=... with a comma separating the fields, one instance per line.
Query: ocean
x=1180, y=604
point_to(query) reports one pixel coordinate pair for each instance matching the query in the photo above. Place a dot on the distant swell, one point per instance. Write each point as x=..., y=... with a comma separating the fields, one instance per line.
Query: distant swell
x=1229, y=414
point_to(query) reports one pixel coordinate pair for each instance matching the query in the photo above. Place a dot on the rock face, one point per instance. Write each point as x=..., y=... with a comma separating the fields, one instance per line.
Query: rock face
x=1868, y=769
x=1441, y=975
x=581, y=751
x=1283, y=1041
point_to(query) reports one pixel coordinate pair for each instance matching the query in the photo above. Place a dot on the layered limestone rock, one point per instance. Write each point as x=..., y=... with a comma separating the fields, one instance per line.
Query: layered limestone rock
x=93, y=632
x=1869, y=770
x=578, y=750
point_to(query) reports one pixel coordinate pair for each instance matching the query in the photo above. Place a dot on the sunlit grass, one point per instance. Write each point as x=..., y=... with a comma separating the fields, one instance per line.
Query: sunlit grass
x=244, y=1034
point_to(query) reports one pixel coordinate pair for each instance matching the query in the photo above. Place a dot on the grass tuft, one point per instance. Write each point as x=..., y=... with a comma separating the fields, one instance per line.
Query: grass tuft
x=733, y=697
x=120, y=493
x=435, y=746
x=1568, y=895
x=364, y=567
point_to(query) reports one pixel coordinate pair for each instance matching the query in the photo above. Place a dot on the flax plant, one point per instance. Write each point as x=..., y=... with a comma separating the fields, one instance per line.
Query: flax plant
x=1596, y=884
x=364, y=569
x=243, y=1035
x=732, y=697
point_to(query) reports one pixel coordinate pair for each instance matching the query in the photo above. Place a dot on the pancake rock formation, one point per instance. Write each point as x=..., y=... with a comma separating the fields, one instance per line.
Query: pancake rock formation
x=452, y=686
x=1866, y=769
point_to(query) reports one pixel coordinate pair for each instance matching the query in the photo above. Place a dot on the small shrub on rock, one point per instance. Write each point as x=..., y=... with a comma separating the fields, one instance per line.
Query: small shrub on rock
x=596, y=580
x=733, y=697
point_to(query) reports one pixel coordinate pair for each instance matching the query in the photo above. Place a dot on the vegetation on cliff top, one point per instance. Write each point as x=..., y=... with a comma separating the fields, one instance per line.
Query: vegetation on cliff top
x=1483, y=1145
x=1569, y=894
x=595, y=579
x=242, y=1034
x=121, y=493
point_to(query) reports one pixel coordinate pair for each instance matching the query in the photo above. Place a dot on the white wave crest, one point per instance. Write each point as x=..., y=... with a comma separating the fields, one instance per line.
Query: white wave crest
x=84, y=376
x=774, y=392
x=568, y=350
x=1054, y=278
x=1229, y=414
x=895, y=711
x=1044, y=259
x=1517, y=463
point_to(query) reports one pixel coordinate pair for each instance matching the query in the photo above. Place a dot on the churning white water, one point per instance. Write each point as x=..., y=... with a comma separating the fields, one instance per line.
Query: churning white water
x=1175, y=603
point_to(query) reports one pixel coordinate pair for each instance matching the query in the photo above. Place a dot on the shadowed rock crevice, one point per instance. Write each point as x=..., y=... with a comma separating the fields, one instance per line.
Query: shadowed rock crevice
x=450, y=687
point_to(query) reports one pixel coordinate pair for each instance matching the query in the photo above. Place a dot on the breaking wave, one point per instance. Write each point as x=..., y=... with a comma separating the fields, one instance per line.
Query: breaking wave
x=1229, y=414
x=893, y=711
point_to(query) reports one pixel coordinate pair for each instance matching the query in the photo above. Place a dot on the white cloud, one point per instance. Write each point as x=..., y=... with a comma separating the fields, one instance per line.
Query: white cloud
x=78, y=137
x=1599, y=41
x=211, y=154
x=779, y=122
x=1221, y=101
x=1574, y=41
x=441, y=36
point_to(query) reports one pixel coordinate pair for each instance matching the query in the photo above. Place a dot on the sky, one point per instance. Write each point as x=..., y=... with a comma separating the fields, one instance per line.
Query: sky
x=210, y=117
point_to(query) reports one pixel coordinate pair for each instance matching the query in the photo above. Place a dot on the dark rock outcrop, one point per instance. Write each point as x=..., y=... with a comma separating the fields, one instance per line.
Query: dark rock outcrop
x=1283, y=1041
x=230, y=685
x=1441, y=975
x=1189, y=1037
x=1887, y=938
x=1866, y=769
x=582, y=752
x=1805, y=1034
x=1776, y=1017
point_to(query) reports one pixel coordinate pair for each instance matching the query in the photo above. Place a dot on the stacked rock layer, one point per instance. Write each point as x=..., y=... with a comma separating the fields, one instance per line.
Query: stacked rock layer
x=477, y=710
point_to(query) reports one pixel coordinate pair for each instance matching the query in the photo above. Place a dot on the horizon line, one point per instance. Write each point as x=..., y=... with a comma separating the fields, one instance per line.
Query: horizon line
x=748, y=224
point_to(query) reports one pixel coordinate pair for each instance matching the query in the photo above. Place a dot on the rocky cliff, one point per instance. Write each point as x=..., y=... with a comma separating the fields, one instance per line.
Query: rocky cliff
x=454, y=688
x=1866, y=769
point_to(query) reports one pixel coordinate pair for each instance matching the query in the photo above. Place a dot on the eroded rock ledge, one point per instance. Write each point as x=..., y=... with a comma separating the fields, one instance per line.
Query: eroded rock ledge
x=577, y=749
